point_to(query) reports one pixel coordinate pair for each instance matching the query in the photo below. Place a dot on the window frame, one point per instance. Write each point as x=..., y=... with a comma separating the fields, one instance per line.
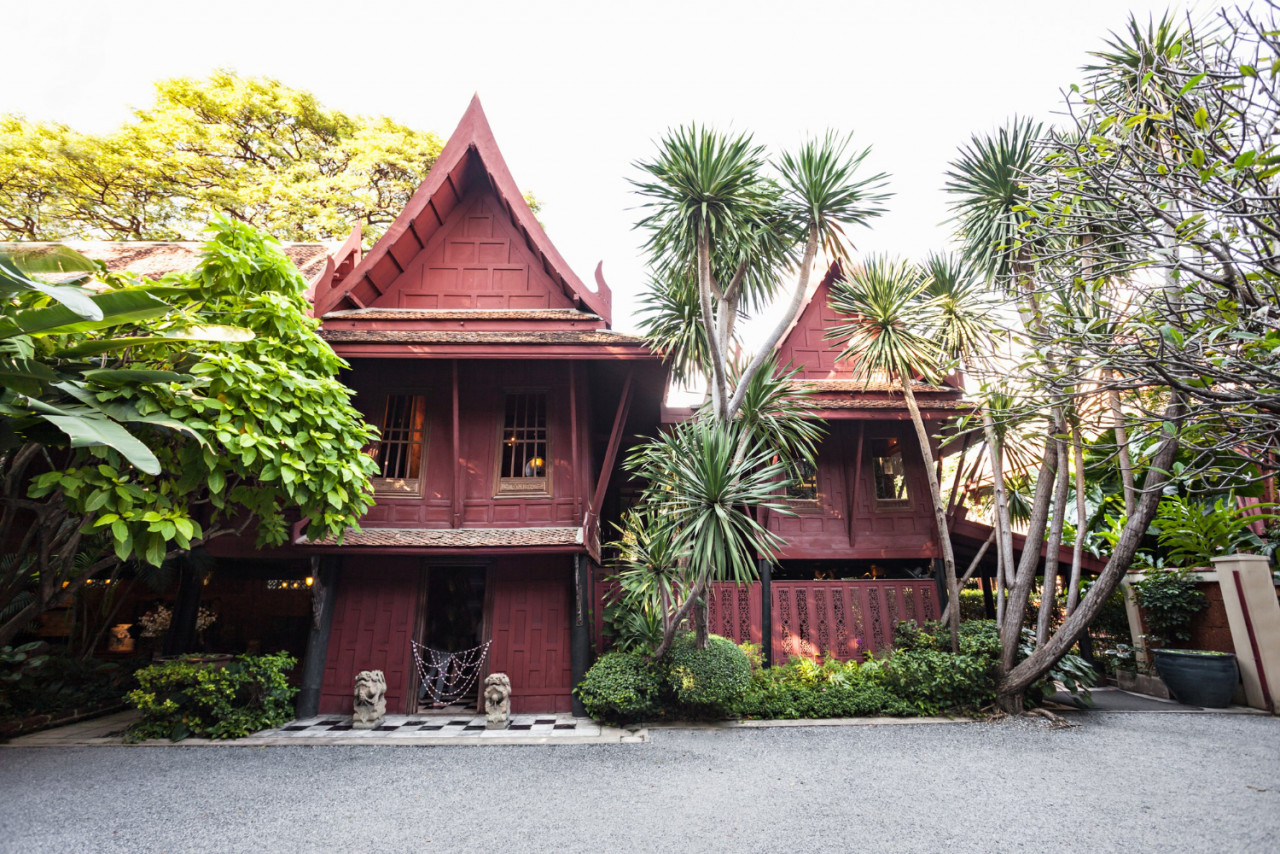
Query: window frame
x=392, y=487
x=521, y=487
x=801, y=504
x=890, y=505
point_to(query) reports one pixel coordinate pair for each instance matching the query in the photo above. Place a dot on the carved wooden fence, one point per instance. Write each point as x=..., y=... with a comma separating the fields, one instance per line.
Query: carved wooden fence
x=811, y=619
x=734, y=612
x=846, y=619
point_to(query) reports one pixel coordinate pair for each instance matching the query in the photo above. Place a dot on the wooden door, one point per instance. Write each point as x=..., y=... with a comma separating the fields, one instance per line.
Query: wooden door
x=529, y=623
x=374, y=618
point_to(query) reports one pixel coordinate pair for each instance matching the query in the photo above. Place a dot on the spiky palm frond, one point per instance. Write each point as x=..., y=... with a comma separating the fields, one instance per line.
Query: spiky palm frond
x=1132, y=66
x=885, y=312
x=821, y=188
x=962, y=308
x=780, y=413
x=989, y=181
x=703, y=180
x=669, y=317
x=704, y=478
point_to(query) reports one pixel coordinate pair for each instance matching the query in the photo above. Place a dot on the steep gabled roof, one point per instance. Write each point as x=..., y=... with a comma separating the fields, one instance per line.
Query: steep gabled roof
x=471, y=150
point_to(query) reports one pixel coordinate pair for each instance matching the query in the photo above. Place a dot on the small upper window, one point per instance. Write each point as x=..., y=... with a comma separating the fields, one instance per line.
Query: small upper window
x=399, y=453
x=523, y=466
x=804, y=482
x=890, y=472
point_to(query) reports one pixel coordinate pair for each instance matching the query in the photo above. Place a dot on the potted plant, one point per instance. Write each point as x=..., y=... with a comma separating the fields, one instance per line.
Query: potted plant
x=1192, y=534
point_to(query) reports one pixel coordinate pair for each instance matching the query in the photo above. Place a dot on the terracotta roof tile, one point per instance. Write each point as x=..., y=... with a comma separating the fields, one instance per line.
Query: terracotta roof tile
x=418, y=336
x=873, y=385
x=456, y=537
x=462, y=314
x=155, y=258
x=888, y=403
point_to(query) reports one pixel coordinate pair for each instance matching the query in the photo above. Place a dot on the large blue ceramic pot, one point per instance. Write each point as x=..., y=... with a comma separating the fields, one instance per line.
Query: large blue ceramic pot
x=1197, y=677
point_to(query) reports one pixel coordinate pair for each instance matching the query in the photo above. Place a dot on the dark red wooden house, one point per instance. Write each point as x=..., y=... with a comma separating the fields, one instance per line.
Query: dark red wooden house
x=861, y=548
x=504, y=400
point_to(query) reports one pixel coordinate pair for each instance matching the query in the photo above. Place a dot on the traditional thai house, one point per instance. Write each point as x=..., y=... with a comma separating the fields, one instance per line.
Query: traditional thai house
x=504, y=401
x=861, y=546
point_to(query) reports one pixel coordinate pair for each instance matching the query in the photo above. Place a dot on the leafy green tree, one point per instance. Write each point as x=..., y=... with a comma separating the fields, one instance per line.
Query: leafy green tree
x=235, y=418
x=247, y=148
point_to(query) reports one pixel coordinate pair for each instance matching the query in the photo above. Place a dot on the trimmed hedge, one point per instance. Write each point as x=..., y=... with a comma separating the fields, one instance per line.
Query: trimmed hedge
x=621, y=686
x=180, y=699
x=707, y=681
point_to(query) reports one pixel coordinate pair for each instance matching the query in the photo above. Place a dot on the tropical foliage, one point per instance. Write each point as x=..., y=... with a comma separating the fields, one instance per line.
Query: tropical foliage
x=222, y=412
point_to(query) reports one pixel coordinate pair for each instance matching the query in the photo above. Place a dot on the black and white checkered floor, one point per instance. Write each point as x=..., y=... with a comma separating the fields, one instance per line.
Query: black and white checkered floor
x=429, y=726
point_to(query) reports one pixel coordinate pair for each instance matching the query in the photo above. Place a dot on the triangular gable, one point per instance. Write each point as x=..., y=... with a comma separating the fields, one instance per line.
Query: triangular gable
x=805, y=346
x=469, y=198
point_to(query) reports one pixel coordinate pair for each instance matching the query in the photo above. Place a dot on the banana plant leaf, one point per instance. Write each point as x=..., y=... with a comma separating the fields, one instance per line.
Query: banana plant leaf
x=77, y=300
x=113, y=308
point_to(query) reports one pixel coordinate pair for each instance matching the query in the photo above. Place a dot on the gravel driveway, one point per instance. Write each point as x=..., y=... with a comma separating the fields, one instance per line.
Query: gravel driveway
x=1118, y=782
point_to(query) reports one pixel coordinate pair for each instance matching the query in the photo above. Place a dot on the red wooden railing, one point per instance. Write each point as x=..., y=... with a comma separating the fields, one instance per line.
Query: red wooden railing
x=812, y=619
x=846, y=619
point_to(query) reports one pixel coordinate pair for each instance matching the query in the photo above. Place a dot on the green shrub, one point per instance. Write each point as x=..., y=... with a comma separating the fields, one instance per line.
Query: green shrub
x=924, y=675
x=621, y=686
x=180, y=699
x=1169, y=600
x=805, y=689
x=35, y=682
x=707, y=681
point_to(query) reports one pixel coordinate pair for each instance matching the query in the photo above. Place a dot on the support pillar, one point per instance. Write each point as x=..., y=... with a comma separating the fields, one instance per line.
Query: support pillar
x=766, y=611
x=324, y=589
x=182, y=625
x=1249, y=596
x=579, y=630
x=940, y=580
x=988, y=602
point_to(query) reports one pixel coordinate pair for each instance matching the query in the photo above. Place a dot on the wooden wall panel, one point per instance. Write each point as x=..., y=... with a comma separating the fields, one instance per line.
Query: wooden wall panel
x=373, y=621
x=528, y=617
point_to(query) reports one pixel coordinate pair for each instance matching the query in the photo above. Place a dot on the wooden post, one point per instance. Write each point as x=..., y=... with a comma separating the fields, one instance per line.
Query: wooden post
x=458, y=462
x=182, y=623
x=988, y=604
x=324, y=591
x=766, y=611
x=579, y=631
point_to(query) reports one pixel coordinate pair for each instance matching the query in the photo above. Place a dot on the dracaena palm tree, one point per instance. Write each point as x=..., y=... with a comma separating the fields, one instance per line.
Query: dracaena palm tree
x=885, y=333
x=725, y=220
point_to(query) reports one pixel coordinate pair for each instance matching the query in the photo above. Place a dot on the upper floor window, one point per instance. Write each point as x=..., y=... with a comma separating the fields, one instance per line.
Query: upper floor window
x=890, y=472
x=523, y=451
x=399, y=453
x=804, y=481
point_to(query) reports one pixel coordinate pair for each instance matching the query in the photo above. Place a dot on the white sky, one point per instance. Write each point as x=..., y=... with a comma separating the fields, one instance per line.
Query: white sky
x=577, y=91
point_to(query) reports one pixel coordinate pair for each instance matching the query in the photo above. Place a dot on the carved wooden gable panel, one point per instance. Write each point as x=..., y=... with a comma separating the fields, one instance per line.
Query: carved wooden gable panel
x=805, y=347
x=478, y=260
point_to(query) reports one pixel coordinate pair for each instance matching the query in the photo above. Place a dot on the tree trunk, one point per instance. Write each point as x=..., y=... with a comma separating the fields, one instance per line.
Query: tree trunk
x=1049, y=590
x=939, y=513
x=1003, y=527
x=1025, y=574
x=1017, y=680
x=968, y=573
x=700, y=627
x=1082, y=522
x=1122, y=446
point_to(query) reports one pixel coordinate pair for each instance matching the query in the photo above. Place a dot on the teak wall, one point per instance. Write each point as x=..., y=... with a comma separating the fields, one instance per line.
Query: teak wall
x=482, y=386
x=822, y=529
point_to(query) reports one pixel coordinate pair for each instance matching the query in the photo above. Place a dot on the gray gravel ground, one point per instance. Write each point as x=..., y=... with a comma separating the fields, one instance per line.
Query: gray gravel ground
x=1119, y=782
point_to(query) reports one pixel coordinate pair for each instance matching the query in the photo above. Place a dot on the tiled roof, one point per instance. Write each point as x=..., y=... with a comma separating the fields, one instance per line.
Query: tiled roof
x=455, y=538
x=462, y=314
x=418, y=336
x=888, y=403
x=153, y=259
x=873, y=385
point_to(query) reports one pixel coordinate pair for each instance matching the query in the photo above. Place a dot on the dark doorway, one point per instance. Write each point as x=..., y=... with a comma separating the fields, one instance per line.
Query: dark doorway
x=452, y=623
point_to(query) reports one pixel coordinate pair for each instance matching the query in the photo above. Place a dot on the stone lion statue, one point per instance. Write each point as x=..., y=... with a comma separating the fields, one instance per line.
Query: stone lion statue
x=497, y=700
x=370, y=699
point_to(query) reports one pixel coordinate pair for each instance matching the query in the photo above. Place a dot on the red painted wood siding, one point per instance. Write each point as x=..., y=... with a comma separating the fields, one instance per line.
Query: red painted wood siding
x=848, y=619
x=806, y=347
x=529, y=625
x=482, y=388
x=821, y=531
x=373, y=621
x=476, y=260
